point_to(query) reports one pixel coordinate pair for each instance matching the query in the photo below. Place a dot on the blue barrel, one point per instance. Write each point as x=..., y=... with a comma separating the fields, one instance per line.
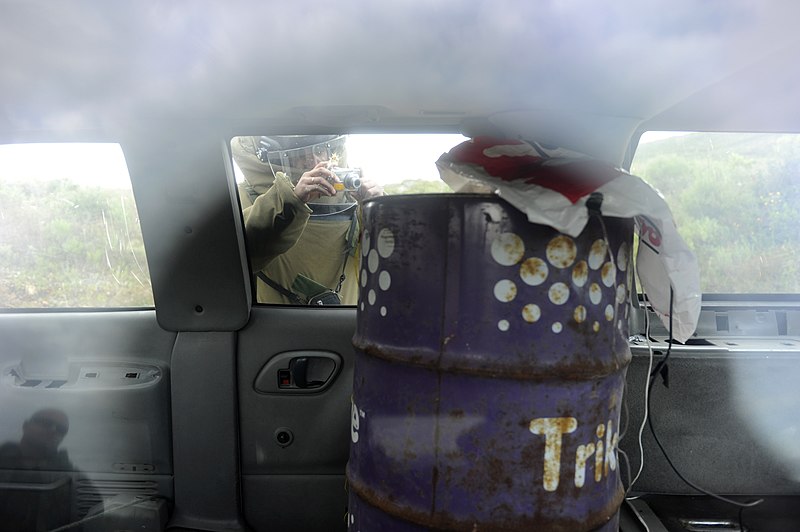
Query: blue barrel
x=490, y=364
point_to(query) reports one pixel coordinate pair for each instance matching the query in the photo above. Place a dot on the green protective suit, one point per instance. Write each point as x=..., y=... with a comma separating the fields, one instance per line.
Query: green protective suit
x=285, y=241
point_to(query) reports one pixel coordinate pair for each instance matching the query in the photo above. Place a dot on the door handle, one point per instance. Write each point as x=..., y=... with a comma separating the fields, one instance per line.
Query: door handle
x=310, y=372
x=298, y=372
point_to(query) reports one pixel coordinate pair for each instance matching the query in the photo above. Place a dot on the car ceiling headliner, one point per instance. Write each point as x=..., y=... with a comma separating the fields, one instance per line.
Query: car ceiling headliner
x=673, y=64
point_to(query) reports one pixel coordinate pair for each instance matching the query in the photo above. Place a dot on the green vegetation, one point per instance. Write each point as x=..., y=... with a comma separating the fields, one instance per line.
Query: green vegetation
x=417, y=186
x=735, y=201
x=734, y=197
x=62, y=245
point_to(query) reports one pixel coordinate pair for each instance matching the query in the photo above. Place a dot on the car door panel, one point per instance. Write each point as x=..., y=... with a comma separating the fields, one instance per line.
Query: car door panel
x=106, y=376
x=204, y=427
x=725, y=419
x=309, y=471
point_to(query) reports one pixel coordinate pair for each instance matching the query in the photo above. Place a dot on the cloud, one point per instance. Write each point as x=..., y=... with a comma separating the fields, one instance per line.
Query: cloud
x=117, y=60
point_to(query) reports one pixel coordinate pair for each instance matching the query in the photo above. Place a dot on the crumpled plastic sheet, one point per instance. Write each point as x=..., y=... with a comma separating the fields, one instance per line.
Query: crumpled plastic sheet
x=552, y=186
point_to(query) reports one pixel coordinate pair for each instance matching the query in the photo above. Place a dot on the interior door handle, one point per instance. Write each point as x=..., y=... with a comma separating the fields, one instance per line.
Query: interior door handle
x=299, y=369
x=298, y=372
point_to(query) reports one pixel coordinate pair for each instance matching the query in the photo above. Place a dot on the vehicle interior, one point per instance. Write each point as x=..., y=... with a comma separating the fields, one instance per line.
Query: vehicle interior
x=146, y=385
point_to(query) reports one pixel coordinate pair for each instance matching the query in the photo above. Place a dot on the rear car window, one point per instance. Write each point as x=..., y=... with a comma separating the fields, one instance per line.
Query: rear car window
x=734, y=198
x=303, y=246
x=69, y=229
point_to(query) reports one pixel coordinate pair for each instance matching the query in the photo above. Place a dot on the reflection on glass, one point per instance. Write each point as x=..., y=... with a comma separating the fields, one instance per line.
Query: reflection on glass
x=35, y=482
x=42, y=434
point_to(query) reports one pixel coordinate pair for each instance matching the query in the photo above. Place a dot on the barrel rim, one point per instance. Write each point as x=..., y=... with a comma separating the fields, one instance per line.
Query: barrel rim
x=564, y=372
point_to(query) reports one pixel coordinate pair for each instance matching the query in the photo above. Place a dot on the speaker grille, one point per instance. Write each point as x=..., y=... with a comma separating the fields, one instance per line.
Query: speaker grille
x=92, y=492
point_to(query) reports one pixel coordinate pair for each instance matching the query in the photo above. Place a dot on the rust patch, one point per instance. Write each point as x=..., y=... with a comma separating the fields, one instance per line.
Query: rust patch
x=553, y=429
x=561, y=251
x=597, y=254
x=453, y=455
x=572, y=367
x=608, y=274
x=531, y=313
x=498, y=479
x=533, y=271
x=550, y=518
x=558, y=293
x=580, y=273
x=595, y=293
x=508, y=249
x=505, y=290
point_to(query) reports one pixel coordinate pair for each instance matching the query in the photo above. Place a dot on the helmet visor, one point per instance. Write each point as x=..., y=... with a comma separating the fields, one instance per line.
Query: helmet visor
x=295, y=158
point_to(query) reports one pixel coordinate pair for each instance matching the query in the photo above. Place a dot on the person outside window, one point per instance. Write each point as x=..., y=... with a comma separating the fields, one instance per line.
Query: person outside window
x=300, y=218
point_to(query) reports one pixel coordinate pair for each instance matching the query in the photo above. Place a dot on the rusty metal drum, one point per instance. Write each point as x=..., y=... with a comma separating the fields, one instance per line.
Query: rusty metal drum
x=490, y=364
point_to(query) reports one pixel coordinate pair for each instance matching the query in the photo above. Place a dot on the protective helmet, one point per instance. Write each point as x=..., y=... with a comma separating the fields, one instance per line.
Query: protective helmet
x=295, y=154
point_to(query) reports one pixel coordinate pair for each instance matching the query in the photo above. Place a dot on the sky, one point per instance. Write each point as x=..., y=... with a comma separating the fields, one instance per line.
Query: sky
x=395, y=158
x=98, y=64
x=653, y=136
x=384, y=158
x=88, y=164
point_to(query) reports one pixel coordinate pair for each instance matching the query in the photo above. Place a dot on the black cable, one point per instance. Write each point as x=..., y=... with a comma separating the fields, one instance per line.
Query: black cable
x=663, y=362
x=653, y=374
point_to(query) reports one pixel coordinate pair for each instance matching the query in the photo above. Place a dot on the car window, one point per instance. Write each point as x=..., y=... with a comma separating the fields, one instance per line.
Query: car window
x=69, y=229
x=300, y=198
x=734, y=198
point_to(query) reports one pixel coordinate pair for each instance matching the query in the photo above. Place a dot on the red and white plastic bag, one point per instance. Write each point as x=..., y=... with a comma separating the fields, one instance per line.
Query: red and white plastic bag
x=552, y=185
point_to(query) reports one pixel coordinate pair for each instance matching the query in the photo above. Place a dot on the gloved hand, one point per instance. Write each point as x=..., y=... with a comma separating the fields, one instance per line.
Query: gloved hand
x=315, y=183
x=369, y=189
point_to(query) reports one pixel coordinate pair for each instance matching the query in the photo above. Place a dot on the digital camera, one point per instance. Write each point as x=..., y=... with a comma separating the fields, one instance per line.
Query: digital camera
x=348, y=179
